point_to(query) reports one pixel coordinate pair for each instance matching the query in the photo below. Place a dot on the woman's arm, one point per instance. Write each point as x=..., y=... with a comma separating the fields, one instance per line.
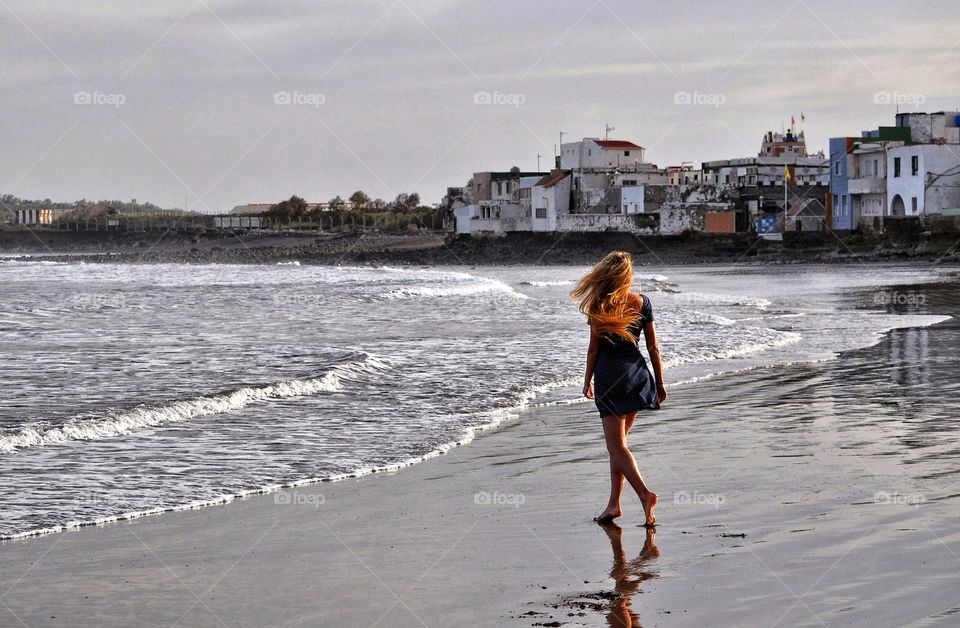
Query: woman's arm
x=592, y=350
x=653, y=348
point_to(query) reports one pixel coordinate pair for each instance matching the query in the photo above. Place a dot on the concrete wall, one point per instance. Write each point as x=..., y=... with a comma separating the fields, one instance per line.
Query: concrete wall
x=639, y=224
x=675, y=220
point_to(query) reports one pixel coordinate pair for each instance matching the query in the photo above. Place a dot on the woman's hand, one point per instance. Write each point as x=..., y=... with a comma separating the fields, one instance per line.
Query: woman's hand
x=588, y=389
x=661, y=393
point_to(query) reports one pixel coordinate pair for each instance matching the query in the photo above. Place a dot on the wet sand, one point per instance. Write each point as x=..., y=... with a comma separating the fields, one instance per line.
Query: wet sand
x=816, y=494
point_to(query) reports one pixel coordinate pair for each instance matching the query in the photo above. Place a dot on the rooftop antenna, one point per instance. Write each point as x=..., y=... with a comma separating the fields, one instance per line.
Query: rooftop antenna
x=538, y=161
x=606, y=131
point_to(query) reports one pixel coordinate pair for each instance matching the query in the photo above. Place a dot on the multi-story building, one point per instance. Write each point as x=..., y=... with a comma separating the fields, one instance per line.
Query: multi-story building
x=758, y=183
x=911, y=169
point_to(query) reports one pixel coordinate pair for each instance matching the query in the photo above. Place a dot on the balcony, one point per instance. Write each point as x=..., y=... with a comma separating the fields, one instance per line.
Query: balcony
x=870, y=185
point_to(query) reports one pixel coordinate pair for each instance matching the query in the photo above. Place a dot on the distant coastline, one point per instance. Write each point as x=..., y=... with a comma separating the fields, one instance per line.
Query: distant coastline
x=428, y=247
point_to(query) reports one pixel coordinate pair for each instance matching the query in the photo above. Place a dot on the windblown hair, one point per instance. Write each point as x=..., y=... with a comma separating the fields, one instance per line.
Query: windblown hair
x=604, y=295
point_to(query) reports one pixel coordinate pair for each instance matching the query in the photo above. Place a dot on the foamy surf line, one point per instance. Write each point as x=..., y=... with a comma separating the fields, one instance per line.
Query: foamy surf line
x=141, y=417
x=494, y=417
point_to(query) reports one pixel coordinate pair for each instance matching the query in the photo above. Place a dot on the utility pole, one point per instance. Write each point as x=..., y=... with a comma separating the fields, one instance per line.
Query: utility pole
x=606, y=131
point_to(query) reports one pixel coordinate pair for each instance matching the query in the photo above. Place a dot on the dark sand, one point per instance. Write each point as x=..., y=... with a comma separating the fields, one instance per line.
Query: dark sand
x=817, y=494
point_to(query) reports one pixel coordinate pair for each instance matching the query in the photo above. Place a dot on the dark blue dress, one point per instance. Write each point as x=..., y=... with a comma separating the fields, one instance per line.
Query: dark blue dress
x=622, y=382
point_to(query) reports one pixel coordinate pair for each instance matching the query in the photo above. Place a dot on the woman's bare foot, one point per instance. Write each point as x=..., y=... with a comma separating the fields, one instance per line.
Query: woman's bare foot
x=608, y=515
x=648, y=505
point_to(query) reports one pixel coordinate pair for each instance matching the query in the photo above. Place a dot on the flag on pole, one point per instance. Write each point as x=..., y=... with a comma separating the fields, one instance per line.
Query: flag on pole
x=793, y=122
x=788, y=173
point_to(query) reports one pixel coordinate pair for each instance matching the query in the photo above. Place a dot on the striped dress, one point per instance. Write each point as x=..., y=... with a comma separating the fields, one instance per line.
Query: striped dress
x=622, y=382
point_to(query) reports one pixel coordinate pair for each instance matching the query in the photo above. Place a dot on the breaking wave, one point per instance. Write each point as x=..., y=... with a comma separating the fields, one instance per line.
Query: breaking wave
x=145, y=416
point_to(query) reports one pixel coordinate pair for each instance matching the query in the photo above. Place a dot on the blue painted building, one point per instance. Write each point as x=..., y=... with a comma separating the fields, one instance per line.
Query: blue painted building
x=840, y=148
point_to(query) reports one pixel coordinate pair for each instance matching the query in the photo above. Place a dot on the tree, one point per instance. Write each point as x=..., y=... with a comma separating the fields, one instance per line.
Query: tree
x=293, y=207
x=360, y=199
x=405, y=202
x=378, y=205
x=337, y=203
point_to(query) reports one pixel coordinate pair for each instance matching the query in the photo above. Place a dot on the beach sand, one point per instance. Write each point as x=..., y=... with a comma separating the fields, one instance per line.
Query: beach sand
x=807, y=495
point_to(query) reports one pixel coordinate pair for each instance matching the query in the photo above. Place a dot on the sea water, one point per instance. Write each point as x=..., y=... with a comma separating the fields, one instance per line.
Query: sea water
x=134, y=389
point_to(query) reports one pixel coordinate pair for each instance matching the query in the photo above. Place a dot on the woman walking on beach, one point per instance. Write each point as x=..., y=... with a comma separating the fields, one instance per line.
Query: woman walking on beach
x=617, y=377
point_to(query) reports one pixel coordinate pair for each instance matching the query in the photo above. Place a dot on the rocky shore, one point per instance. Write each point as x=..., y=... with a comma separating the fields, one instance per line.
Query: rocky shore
x=436, y=247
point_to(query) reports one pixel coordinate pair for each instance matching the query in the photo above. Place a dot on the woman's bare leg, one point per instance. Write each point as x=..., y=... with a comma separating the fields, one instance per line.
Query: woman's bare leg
x=612, y=511
x=622, y=461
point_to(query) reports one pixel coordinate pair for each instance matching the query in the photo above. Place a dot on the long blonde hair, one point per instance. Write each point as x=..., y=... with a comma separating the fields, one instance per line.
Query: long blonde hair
x=604, y=295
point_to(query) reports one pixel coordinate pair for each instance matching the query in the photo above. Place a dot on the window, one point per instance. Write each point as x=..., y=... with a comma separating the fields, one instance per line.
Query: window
x=626, y=153
x=896, y=166
x=913, y=204
x=541, y=212
x=915, y=165
x=836, y=168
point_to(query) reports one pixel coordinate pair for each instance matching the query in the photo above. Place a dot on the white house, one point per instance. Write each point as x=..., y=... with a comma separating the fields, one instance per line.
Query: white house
x=592, y=152
x=550, y=196
x=923, y=179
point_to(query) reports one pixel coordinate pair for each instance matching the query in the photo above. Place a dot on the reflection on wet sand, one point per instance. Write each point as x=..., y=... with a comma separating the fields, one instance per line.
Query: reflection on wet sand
x=628, y=575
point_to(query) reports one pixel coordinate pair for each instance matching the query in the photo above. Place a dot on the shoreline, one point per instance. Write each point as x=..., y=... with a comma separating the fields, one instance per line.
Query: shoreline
x=440, y=248
x=239, y=563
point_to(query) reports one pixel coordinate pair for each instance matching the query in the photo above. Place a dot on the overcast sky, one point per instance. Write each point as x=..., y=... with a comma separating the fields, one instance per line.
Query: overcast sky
x=187, y=99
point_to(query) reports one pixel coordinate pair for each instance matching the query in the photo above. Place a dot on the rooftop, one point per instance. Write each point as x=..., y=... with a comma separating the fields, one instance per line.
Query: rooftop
x=616, y=144
x=553, y=178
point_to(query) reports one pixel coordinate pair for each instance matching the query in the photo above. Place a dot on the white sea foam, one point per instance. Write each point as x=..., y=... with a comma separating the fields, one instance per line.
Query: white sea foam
x=543, y=284
x=706, y=298
x=479, y=285
x=146, y=416
x=490, y=419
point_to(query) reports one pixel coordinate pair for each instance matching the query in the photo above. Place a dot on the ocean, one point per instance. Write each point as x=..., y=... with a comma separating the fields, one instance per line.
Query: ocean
x=137, y=389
